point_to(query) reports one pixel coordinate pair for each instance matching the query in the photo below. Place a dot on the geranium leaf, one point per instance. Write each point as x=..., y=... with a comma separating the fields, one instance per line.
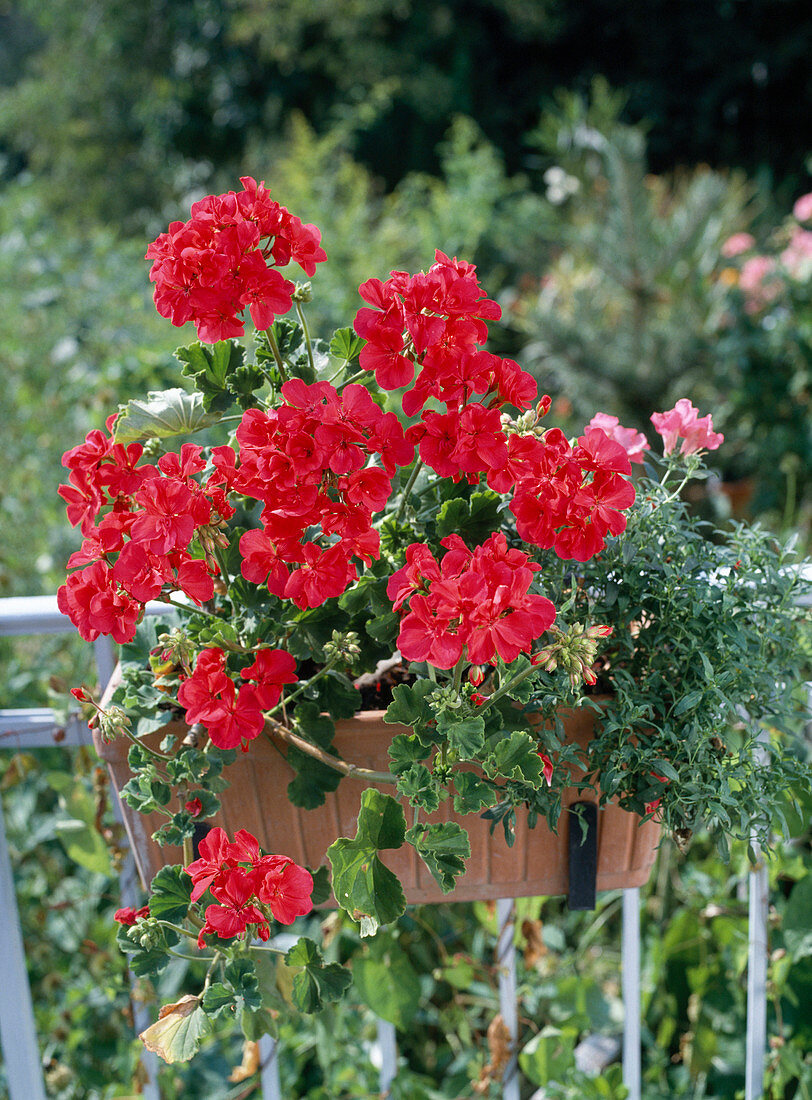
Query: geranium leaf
x=443, y=848
x=164, y=413
x=408, y=703
x=472, y=793
x=170, y=894
x=346, y=346
x=176, y=1034
x=516, y=757
x=362, y=885
x=316, y=982
x=387, y=982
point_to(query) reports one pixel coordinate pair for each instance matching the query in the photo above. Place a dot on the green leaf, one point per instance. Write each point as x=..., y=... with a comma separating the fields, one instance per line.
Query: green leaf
x=549, y=1055
x=315, y=726
x=321, y=885
x=220, y=375
x=240, y=973
x=146, y=962
x=444, y=848
x=163, y=414
x=346, y=345
x=473, y=519
x=687, y=702
x=419, y=786
x=452, y=517
x=312, y=780
x=797, y=923
x=170, y=894
x=387, y=982
x=408, y=704
x=467, y=736
x=362, y=885
x=472, y=793
x=315, y=983
x=516, y=757
x=216, y=998
x=257, y=1022
x=84, y=846
x=338, y=696
x=406, y=749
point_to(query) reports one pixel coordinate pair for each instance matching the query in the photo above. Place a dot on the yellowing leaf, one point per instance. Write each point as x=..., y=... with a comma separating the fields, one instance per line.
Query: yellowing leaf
x=249, y=1065
x=176, y=1034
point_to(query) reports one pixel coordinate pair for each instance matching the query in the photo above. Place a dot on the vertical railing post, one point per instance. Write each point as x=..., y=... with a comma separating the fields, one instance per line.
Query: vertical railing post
x=758, y=889
x=630, y=982
x=388, y=1046
x=18, y=1033
x=506, y=965
x=269, y=1068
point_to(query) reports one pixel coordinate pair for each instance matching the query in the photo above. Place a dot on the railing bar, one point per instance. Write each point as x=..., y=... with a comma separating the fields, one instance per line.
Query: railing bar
x=388, y=1044
x=105, y=659
x=508, y=1008
x=18, y=1034
x=756, y=985
x=41, y=615
x=269, y=1068
x=37, y=728
x=758, y=889
x=630, y=981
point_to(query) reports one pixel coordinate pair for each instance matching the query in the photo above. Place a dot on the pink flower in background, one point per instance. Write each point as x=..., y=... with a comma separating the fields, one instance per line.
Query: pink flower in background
x=633, y=443
x=683, y=422
x=797, y=256
x=738, y=243
x=759, y=282
x=802, y=210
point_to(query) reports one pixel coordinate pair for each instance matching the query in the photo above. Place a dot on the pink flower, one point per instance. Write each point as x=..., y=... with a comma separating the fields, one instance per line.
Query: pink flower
x=738, y=243
x=759, y=282
x=797, y=256
x=802, y=210
x=632, y=442
x=683, y=422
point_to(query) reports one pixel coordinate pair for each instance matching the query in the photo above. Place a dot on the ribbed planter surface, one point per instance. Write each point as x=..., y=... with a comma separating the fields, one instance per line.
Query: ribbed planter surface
x=257, y=801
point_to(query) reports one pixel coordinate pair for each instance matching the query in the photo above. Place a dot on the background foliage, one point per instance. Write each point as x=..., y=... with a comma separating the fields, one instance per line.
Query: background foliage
x=398, y=128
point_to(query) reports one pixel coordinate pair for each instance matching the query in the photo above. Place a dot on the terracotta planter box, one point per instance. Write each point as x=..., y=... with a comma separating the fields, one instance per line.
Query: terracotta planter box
x=537, y=864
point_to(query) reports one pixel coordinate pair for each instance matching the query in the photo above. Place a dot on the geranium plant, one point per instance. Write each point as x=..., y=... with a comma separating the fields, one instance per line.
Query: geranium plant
x=386, y=520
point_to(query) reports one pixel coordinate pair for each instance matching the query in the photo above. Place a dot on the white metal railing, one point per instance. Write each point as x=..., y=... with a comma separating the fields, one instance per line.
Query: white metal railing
x=37, y=728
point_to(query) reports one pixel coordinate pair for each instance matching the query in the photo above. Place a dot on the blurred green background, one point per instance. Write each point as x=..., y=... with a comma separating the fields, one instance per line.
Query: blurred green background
x=592, y=158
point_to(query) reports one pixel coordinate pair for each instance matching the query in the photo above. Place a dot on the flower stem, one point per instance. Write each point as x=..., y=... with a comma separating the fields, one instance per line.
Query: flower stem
x=277, y=354
x=176, y=928
x=302, y=687
x=147, y=748
x=353, y=378
x=306, y=331
x=192, y=610
x=418, y=466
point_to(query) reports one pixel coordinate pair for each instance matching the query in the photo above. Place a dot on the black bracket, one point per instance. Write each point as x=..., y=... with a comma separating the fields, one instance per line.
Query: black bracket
x=582, y=846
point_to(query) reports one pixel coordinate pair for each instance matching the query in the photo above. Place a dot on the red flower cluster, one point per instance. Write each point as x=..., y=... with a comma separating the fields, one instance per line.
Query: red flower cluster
x=308, y=462
x=209, y=269
x=567, y=498
x=437, y=320
x=234, y=716
x=479, y=600
x=142, y=542
x=242, y=880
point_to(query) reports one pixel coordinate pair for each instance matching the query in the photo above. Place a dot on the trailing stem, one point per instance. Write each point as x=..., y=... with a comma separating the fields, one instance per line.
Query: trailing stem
x=276, y=729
